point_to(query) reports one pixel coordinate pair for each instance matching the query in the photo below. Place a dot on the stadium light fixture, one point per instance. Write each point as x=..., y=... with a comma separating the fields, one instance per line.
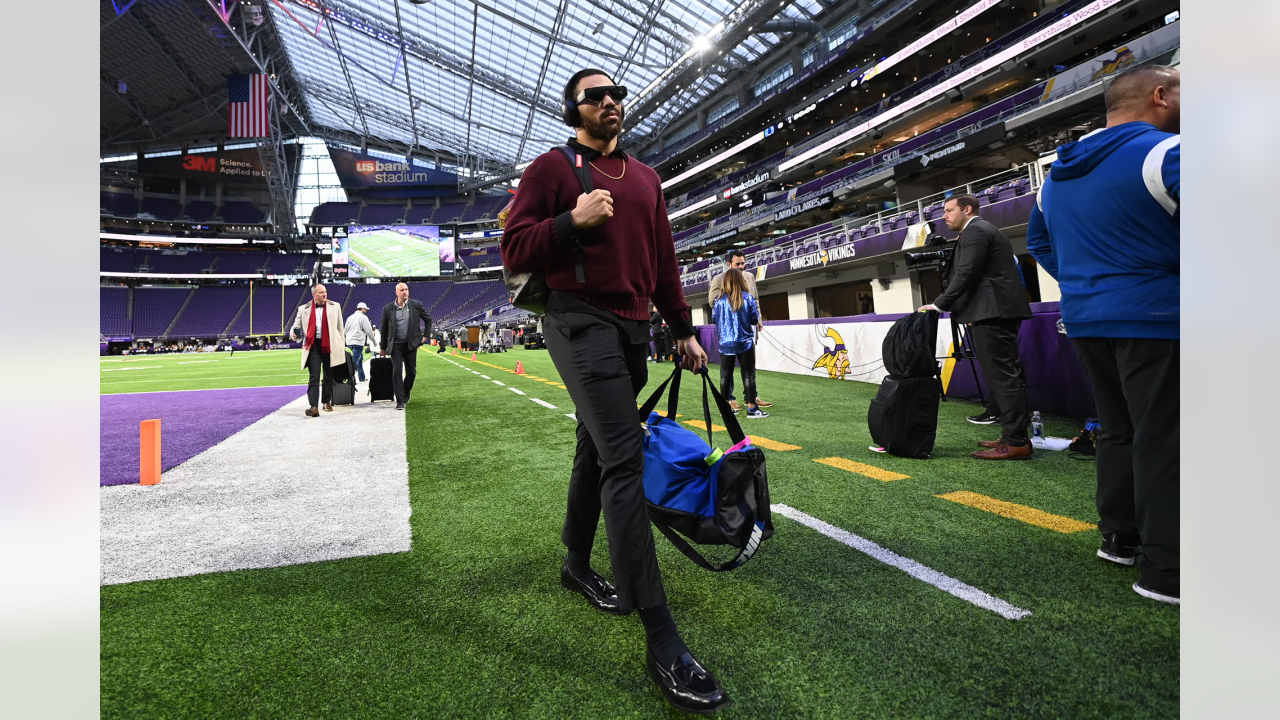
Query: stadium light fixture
x=701, y=44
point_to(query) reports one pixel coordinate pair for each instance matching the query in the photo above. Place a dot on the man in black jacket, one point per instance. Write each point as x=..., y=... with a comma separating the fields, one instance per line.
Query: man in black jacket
x=402, y=335
x=985, y=292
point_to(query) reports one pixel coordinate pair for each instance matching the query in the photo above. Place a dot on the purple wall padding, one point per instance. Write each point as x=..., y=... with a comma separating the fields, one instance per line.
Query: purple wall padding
x=190, y=423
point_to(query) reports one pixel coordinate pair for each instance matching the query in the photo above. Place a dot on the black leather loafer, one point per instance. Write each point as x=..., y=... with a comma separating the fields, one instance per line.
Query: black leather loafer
x=687, y=685
x=595, y=589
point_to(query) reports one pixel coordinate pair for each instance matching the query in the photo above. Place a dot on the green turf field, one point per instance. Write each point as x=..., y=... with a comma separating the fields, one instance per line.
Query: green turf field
x=472, y=622
x=386, y=253
x=200, y=371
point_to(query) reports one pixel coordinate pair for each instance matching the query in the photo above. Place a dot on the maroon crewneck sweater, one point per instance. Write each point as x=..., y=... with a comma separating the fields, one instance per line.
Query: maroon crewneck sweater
x=628, y=260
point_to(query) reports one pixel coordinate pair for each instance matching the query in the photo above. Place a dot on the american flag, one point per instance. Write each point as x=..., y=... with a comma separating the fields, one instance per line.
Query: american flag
x=249, y=97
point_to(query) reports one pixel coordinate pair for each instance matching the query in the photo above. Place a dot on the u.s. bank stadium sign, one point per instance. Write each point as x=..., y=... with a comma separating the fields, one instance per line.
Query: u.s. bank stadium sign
x=745, y=185
x=804, y=207
x=822, y=258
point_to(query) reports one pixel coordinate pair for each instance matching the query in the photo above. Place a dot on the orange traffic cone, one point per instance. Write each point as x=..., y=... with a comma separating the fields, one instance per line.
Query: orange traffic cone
x=519, y=368
x=473, y=357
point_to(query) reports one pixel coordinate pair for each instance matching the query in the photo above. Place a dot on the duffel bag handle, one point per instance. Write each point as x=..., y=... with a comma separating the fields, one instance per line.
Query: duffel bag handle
x=726, y=413
x=753, y=544
x=672, y=401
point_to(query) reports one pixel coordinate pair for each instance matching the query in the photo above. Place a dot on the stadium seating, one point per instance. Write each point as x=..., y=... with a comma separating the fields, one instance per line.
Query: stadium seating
x=236, y=211
x=114, y=315
x=291, y=264
x=155, y=308
x=161, y=208
x=210, y=311
x=117, y=260
x=419, y=214
x=485, y=208
x=229, y=263
x=200, y=210
x=447, y=213
x=117, y=204
x=335, y=213
x=268, y=303
x=183, y=263
x=381, y=214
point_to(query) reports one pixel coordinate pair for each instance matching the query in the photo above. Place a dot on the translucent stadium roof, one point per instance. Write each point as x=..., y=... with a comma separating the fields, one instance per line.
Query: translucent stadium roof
x=483, y=79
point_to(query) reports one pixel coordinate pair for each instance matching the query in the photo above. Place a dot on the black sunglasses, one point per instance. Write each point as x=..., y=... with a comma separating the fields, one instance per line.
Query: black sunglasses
x=595, y=95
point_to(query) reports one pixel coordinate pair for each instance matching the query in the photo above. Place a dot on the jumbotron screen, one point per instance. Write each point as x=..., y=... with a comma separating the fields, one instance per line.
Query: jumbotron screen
x=400, y=250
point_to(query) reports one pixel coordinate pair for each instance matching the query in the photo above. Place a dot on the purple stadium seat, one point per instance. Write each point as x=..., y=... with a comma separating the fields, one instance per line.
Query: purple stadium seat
x=210, y=311
x=200, y=210
x=236, y=211
x=419, y=214
x=161, y=208
x=155, y=308
x=117, y=260
x=447, y=213
x=381, y=214
x=335, y=213
x=113, y=318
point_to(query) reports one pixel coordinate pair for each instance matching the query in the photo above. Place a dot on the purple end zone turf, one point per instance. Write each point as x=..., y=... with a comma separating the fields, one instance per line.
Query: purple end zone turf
x=190, y=423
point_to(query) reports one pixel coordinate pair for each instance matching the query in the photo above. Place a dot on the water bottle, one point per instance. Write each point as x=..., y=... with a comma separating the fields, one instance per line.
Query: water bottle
x=1037, y=427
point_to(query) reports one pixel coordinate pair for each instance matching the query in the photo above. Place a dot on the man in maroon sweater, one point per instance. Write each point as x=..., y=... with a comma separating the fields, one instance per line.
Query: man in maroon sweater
x=606, y=255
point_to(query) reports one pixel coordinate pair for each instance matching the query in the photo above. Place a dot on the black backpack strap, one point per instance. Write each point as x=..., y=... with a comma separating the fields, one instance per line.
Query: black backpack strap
x=745, y=554
x=584, y=178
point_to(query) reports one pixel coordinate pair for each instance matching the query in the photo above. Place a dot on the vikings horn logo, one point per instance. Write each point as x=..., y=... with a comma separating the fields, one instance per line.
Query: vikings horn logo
x=835, y=358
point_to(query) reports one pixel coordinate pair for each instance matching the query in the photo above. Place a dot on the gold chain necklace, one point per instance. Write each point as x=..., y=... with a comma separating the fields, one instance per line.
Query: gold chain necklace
x=624, y=170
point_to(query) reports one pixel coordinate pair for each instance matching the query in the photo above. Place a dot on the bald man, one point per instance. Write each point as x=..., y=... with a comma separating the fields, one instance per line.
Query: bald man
x=402, y=336
x=324, y=346
x=1106, y=226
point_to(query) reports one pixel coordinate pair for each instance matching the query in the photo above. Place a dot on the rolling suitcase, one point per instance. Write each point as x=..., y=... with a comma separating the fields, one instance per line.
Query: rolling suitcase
x=380, y=379
x=903, y=417
x=344, y=393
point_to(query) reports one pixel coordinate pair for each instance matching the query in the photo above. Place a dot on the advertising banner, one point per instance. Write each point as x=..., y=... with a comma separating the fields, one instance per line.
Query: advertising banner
x=811, y=204
x=360, y=170
x=1110, y=63
x=967, y=144
x=234, y=165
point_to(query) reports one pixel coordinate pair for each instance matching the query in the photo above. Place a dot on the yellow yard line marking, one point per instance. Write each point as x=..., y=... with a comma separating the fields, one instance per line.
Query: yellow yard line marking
x=1029, y=515
x=870, y=471
x=702, y=425
x=768, y=444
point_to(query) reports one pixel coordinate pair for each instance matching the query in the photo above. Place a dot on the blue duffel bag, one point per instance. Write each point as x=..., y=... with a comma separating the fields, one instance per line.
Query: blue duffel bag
x=695, y=490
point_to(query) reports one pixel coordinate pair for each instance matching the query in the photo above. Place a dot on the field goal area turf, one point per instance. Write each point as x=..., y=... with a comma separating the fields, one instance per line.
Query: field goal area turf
x=387, y=253
x=892, y=587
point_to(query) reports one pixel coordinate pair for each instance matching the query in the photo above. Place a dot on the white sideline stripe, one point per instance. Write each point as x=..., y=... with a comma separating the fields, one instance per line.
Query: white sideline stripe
x=499, y=382
x=486, y=377
x=927, y=574
x=571, y=416
x=515, y=390
x=543, y=403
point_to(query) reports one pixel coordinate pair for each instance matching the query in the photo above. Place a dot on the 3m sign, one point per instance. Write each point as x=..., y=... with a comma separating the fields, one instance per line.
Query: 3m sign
x=200, y=163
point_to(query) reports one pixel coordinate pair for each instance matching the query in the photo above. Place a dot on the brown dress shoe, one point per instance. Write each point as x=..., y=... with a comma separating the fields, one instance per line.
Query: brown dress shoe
x=1005, y=452
x=988, y=443
x=328, y=407
x=763, y=403
x=312, y=412
x=734, y=404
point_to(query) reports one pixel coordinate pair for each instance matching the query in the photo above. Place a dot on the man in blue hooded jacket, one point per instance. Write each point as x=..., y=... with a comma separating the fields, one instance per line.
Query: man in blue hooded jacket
x=1105, y=226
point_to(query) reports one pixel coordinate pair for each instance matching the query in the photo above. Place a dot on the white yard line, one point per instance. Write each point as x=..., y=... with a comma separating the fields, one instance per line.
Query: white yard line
x=926, y=574
x=515, y=390
x=543, y=403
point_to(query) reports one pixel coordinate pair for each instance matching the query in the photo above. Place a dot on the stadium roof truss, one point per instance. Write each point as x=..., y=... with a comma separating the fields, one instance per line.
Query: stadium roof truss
x=480, y=80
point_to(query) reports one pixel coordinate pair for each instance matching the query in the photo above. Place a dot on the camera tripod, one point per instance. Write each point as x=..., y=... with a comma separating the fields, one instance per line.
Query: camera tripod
x=962, y=351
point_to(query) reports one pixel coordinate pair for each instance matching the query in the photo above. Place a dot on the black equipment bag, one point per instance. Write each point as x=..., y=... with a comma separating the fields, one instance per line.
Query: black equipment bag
x=529, y=291
x=909, y=349
x=344, y=393
x=696, y=490
x=380, y=379
x=904, y=416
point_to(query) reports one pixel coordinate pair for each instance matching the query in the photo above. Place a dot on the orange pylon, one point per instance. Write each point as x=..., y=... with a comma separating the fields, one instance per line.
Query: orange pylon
x=149, y=457
x=519, y=368
x=473, y=357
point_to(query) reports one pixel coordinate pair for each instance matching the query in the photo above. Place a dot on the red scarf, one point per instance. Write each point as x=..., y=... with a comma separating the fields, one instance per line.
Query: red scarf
x=311, y=328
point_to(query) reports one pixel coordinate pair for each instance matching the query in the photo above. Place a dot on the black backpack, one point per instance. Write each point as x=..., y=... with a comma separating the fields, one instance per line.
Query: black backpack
x=528, y=291
x=909, y=348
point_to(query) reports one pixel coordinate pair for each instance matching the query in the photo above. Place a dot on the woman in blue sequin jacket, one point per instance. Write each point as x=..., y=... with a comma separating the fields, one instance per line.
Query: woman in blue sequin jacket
x=736, y=315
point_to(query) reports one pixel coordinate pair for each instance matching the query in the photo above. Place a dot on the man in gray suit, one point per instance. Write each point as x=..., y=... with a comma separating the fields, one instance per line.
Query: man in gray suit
x=402, y=336
x=985, y=292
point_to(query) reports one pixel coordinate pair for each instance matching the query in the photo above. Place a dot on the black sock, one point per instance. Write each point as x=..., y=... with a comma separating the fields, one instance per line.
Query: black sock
x=660, y=633
x=579, y=563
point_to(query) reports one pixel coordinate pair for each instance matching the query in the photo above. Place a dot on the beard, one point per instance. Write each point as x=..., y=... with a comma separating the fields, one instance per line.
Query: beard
x=602, y=129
